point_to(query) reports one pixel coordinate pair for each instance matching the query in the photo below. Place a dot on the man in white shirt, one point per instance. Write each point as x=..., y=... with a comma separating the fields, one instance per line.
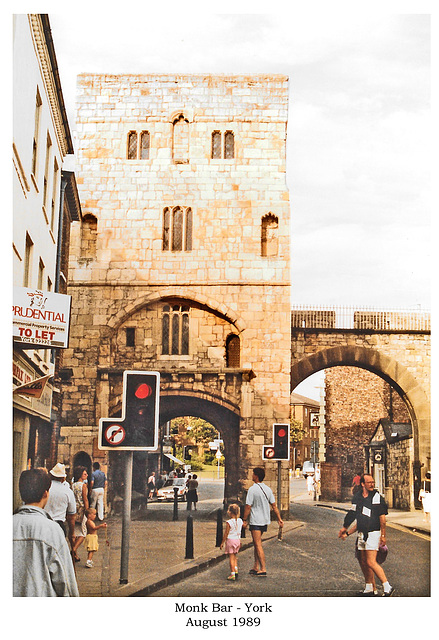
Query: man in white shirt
x=259, y=500
x=61, y=505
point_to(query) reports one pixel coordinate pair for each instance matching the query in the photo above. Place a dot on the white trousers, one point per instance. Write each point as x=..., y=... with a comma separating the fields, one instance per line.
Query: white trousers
x=97, y=498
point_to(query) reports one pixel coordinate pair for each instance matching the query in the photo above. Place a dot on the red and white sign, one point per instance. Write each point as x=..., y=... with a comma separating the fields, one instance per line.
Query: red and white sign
x=41, y=319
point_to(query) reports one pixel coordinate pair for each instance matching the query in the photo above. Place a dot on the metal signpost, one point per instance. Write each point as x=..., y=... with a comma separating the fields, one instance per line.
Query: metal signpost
x=136, y=430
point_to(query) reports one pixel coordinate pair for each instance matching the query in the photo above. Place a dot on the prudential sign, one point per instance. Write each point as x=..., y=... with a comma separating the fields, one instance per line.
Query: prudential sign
x=41, y=319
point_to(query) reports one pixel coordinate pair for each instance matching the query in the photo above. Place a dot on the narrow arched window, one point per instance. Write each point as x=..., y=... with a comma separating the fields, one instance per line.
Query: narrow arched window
x=89, y=228
x=188, y=230
x=177, y=229
x=165, y=330
x=233, y=349
x=216, y=144
x=132, y=145
x=166, y=228
x=144, y=145
x=229, y=145
x=180, y=146
x=269, y=236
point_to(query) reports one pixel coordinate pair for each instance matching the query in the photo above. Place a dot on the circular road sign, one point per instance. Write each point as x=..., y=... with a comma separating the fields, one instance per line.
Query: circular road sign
x=269, y=452
x=114, y=434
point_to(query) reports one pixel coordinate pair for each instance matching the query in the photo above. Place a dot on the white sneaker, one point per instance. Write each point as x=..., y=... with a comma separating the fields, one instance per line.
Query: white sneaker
x=89, y=564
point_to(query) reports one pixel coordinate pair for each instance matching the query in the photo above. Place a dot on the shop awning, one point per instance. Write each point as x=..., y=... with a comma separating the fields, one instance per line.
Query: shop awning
x=173, y=458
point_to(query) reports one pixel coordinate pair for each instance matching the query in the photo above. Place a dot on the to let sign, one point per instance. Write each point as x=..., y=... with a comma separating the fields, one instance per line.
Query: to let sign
x=41, y=319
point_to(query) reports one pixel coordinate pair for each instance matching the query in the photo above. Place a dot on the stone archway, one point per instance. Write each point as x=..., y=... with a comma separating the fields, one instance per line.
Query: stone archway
x=226, y=421
x=387, y=368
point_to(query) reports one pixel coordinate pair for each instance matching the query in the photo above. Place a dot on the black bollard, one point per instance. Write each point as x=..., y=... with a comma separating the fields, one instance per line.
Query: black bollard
x=175, y=516
x=189, y=538
x=219, y=527
x=241, y=516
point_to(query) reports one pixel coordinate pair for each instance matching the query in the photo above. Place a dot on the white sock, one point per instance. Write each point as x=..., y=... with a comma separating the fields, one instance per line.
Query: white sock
x=369, y=587
x=386, y=587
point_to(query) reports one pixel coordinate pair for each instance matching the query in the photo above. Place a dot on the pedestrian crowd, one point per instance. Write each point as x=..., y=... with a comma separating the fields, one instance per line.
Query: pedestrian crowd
x=53, y=516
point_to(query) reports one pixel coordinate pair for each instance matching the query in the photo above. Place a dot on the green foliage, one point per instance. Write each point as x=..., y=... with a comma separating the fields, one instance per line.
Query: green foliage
x=297, y=431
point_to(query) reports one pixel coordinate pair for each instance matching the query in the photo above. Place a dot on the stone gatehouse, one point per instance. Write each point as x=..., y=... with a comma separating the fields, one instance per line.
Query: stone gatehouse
x=180, y=263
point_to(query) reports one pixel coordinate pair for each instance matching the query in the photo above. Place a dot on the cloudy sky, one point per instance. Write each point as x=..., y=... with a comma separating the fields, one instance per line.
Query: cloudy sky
x=358, y=165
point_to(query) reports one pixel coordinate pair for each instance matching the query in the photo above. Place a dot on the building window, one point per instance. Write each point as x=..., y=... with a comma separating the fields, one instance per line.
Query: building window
x=269, y=236
x=46, y=172
x=89, y=230
x=175, y=330
x=177, y=229
x=223, y=148
x=229, y=145
x=132, y=145
x=40, y=274
x=233, y=349
x=27, y=261
x=38, y=107
x=138, y=145
x=144, y=145
x=180, y=140
x=130, y=336
x=54, y=194
x=216, y=144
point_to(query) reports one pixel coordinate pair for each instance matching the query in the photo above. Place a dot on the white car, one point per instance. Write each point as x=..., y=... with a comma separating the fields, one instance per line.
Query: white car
x=308, y=468
x=167, y=491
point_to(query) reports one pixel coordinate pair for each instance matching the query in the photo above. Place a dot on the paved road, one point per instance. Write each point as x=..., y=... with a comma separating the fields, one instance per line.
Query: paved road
x=312, y=562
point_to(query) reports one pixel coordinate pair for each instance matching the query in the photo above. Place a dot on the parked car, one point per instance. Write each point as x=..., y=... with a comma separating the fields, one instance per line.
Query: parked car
x=308, y=468
x=167, y=491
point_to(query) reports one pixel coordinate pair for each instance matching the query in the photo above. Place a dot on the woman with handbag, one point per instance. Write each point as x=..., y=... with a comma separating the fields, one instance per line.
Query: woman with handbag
x=80, y=491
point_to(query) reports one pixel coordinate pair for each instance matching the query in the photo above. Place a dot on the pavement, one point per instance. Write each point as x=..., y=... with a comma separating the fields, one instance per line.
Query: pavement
x=158, y=547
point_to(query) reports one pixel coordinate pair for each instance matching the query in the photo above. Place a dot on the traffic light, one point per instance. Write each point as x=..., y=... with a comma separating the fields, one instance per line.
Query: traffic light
x=138, y=427
x=187, y=452
x=280, y=449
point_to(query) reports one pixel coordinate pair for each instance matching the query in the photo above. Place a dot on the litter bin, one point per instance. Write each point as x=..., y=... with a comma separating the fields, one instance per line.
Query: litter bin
x=388, y=495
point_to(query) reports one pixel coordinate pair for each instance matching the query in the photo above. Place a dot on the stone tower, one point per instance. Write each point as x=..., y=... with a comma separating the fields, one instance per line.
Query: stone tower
x=181, y=262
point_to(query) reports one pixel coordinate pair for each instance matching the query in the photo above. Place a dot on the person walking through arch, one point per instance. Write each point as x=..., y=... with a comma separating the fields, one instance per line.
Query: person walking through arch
x=257, y=514
x=369, y=509
x=98, y=485
x=80, y=491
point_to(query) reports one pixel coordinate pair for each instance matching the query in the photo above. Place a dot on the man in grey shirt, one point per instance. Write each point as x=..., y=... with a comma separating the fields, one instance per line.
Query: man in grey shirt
x=259, y=500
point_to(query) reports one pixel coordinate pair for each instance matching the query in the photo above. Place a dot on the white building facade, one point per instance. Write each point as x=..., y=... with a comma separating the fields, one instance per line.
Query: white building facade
x=41, y=142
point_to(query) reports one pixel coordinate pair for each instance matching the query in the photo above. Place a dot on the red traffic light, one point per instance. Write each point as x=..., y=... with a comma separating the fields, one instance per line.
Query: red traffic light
x=282, y=432
x=143, y=391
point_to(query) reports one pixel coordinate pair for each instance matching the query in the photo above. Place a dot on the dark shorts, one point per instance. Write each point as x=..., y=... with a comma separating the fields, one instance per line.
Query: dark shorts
x=258, y=527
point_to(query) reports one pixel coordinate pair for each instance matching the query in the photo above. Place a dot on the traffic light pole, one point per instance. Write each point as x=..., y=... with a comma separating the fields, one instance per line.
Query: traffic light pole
x=126, y=519
x=279, y=483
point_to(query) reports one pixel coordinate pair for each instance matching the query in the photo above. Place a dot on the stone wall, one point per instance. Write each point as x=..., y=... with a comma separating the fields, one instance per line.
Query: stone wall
x=356, y=400
x=124, y=273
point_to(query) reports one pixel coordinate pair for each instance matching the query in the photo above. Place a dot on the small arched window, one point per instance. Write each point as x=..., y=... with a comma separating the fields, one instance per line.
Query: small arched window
x=229, y=145
x=180, y=140
x=89, y=229
x=144, y=145
x=269, y=236
x=132, y=145
x=233, y=351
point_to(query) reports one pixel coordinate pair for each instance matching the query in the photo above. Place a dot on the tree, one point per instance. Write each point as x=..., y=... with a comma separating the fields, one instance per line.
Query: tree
x=297, y=431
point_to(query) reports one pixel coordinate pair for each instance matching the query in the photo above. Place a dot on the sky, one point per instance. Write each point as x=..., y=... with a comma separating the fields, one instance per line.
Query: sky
x=359, y=129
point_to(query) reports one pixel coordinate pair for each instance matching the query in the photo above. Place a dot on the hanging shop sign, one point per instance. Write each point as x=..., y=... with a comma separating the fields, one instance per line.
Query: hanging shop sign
x=41, y=319
x=32, y=392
